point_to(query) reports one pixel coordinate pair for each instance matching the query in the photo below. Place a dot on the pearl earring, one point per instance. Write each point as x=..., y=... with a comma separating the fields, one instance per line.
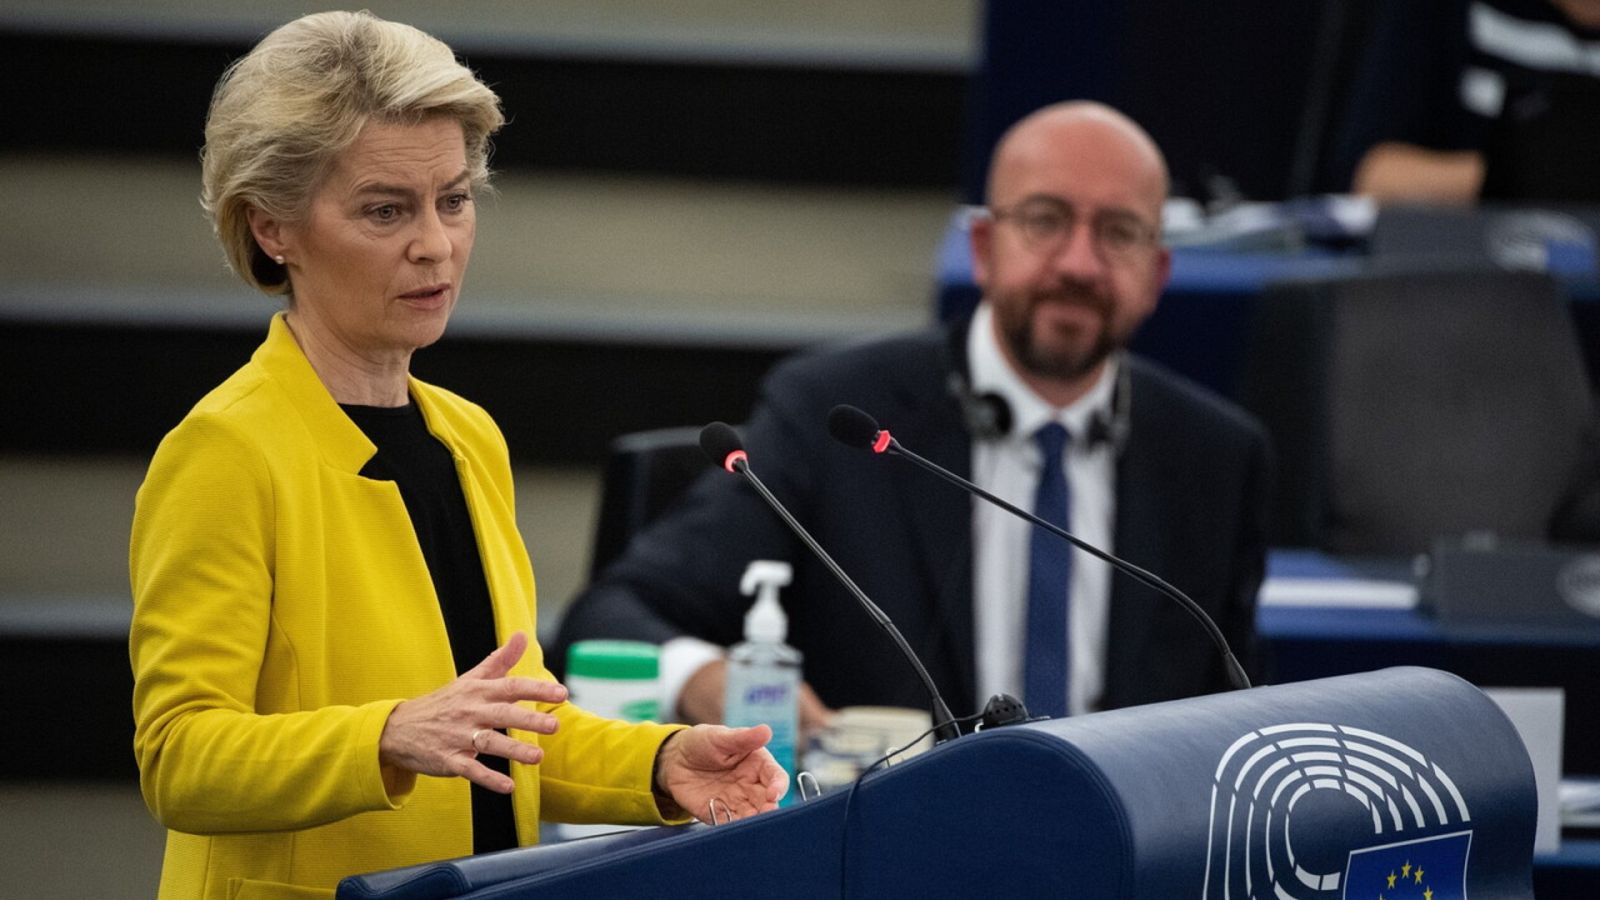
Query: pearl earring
x=278, y=259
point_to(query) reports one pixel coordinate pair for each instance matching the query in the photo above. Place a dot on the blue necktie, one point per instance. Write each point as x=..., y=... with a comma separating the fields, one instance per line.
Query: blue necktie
x=1049, y=575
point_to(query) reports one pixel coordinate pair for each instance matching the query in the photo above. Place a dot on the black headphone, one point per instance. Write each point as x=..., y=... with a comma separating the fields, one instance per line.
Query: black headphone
x=988, y=415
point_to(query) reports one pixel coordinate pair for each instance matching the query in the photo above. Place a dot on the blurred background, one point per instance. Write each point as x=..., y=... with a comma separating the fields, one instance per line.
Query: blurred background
x=686, y=193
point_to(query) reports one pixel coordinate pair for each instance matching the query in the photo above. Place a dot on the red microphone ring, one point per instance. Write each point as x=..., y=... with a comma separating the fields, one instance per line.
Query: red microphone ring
x=735, y=457
x=882, y=442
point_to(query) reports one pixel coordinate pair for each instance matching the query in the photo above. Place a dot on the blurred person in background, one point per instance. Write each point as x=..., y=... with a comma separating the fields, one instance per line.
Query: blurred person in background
x=1458, y=101
x=331, y=599
x=1157, y=470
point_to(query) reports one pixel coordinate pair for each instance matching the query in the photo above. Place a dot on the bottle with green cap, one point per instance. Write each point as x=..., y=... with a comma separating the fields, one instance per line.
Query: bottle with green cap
x=615, y=679
x=618, y=680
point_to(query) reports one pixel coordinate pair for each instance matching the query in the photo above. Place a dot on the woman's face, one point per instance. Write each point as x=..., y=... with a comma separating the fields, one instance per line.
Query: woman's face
x=378, y=262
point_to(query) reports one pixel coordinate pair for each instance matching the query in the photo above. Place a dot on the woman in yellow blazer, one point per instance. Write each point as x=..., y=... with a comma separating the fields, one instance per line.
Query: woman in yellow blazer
x=331, y=599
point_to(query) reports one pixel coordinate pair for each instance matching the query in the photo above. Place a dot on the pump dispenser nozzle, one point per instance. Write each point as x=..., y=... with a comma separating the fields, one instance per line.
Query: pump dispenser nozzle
x=766, y=620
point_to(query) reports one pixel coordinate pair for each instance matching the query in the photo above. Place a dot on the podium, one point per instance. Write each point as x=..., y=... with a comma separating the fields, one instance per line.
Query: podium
x=1400, y=783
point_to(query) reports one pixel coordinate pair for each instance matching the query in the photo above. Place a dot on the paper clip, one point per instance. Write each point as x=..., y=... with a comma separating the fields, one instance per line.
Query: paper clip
x=801, y=780
x=711, y=811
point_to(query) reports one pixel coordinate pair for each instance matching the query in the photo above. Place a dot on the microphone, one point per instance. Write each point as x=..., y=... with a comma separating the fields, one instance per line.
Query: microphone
x=721, y=443
x=853, y=427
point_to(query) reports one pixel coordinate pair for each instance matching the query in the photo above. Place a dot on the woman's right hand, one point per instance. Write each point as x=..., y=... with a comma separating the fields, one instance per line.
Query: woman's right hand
x=443, y=733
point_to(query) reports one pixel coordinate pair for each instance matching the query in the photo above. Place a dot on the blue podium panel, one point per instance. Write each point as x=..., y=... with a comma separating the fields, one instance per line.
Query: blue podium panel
x=1388, y=783
x=1286, y=792
x=1013, y=812
x=792, y=853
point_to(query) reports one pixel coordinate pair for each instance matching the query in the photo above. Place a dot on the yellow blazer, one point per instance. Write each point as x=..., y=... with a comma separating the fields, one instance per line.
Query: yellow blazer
x=282, y=608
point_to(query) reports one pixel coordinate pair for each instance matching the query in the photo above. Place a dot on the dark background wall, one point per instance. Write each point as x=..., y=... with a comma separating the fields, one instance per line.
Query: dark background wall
x=1239, y=92
x=753, y=120
x=1239, y=88
x=1246, y=90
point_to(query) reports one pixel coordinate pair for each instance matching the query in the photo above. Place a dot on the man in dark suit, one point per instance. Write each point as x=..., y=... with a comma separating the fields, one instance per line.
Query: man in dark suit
x=1069, y=257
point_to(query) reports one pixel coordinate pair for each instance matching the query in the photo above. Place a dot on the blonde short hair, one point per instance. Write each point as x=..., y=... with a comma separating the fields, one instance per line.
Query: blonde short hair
x=283, y=112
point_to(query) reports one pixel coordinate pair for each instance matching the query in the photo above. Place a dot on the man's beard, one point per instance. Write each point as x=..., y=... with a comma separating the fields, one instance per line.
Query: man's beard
x=1061, y=363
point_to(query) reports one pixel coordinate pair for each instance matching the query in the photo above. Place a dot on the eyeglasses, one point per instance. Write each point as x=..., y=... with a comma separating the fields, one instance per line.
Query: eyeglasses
x=1048, y=223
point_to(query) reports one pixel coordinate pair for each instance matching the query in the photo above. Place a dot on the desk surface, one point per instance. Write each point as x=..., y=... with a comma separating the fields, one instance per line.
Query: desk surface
x=1412, y=626
x=1200, y=325
x=1307, y=641
x=1240, y=268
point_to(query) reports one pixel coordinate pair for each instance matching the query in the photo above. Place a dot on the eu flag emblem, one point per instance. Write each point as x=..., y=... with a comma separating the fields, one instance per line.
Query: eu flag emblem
x=1428, y=868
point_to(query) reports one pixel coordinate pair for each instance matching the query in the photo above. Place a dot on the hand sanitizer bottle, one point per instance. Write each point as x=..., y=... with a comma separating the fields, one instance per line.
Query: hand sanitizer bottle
x=763, y=671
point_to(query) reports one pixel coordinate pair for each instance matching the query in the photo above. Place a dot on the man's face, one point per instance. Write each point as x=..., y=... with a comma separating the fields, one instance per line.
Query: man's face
x=1070, y=258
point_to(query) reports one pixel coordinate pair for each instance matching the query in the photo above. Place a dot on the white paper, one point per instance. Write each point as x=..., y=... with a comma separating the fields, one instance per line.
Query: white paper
x=1537, y=715
x=1363, y=593
x=1580, y=802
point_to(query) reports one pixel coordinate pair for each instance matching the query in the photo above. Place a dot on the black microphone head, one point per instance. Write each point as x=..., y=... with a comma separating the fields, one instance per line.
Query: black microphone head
x=1004, y=709
x=719, y=442
x=852, y=427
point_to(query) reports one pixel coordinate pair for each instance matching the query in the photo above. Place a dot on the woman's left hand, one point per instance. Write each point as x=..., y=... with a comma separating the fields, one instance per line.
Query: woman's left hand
x=730, y=766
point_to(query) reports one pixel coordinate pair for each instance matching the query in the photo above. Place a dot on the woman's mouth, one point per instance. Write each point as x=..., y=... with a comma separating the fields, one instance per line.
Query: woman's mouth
x=431, y=294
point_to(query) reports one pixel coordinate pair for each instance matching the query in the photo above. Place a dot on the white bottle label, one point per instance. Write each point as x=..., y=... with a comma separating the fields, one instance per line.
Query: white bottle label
x=759, y=695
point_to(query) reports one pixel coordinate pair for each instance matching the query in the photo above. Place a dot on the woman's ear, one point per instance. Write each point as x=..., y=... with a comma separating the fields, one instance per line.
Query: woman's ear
x=267, y=230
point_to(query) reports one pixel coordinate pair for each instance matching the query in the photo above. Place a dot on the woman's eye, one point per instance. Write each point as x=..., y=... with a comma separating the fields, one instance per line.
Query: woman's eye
x=457, y=202
x=388, y=212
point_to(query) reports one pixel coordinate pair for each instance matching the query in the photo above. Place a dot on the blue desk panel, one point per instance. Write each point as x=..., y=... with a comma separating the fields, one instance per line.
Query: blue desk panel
x=1202, y=323
x=1571, y=874
x=1305, y=642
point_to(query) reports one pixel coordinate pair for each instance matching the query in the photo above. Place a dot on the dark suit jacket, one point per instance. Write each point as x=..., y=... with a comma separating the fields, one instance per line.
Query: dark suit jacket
x=1191, y=507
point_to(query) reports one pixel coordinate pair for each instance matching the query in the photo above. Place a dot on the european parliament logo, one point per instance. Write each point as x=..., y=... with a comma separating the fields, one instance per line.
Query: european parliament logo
x=1315, y=811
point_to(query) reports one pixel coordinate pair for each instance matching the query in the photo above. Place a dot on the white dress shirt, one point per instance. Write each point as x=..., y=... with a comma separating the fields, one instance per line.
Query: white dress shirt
x=1009, y=467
